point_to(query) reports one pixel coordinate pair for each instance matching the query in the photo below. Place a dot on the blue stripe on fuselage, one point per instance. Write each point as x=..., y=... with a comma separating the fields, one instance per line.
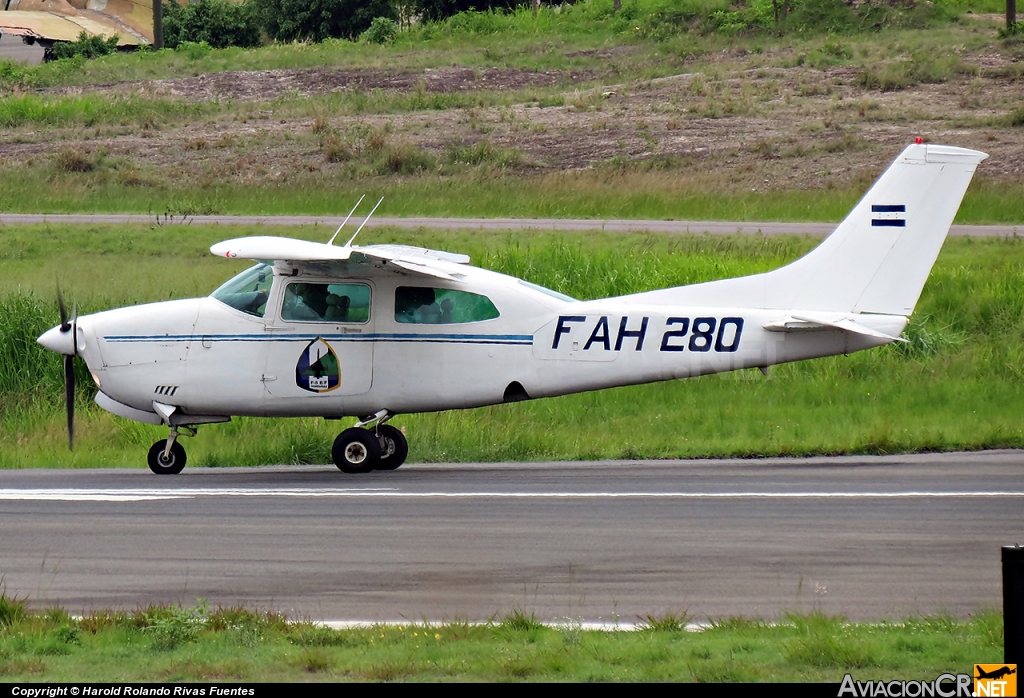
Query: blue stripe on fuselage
x=512, y=339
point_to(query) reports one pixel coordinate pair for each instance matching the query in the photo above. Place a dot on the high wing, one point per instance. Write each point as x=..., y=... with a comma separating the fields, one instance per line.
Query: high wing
x=418, y=260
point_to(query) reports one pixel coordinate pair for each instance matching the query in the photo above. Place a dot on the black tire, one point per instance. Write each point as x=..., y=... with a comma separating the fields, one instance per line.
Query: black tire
x=356, y=451
x=173, y=464
x=394, y=448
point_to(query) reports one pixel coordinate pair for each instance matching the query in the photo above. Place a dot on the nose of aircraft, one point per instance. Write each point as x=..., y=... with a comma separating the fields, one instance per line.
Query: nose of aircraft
x=60, y=342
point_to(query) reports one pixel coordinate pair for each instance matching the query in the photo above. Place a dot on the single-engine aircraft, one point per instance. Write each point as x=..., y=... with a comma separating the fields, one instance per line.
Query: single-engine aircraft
x=318, y=329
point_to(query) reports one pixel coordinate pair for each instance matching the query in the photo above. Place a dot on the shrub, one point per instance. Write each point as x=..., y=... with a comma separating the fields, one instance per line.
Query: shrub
x=194, y=51
x=11, y=72
x=381, y=31
x=176, y=626
x=216, y=22
x=435, y=10
x=316, y=20
x=71, y=161
x=86, y=46
x=11, y=610
x=335, y=149
x=404, y=159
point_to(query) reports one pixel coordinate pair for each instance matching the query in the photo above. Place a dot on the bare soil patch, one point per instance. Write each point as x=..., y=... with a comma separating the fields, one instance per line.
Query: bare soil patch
x=263, y=85
x=763, y=129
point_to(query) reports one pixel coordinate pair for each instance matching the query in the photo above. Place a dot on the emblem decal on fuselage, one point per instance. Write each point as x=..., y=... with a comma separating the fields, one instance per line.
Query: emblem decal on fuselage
x=318, y=370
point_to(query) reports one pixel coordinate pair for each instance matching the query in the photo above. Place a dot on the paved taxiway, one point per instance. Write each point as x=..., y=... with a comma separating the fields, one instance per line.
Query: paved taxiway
x=869, y=537
x=567, y=224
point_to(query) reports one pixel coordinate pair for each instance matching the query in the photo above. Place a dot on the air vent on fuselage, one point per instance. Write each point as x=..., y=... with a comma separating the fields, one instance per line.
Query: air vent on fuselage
x=167, y=390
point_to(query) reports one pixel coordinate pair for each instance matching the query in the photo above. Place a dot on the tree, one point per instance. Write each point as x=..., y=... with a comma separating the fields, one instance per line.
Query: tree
x=316, y=20
x=217, y=22
x=435, y=10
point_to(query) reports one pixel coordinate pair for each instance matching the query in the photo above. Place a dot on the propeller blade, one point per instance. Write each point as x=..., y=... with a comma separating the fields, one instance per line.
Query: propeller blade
x=69, y=395
x=64, y=324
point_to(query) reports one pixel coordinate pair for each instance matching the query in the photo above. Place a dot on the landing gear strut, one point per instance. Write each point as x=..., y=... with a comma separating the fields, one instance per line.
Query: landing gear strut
x=381, y=447
x=167, y=456
x=393, y=447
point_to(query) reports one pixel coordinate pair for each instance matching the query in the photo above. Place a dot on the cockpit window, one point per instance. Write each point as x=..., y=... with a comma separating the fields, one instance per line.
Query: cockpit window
x=311, y=302
x=441, y=306
x=248, y=291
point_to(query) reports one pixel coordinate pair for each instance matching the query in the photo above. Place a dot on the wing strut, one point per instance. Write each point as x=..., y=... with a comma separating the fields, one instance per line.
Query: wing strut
x=331, y=241
x=349, y=243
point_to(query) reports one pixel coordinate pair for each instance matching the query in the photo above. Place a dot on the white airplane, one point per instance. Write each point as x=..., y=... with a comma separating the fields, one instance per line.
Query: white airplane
x=374, y=331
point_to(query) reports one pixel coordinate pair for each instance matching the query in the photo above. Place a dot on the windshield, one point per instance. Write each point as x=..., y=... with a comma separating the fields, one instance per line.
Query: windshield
x=248, y=291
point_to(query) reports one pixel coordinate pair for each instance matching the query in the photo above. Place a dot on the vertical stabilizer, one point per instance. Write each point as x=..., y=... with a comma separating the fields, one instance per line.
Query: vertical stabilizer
x=876, y=261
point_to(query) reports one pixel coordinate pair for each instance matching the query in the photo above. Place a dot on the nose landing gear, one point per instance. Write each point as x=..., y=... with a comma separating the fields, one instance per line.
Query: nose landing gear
x=167, y=456
x=381, y=447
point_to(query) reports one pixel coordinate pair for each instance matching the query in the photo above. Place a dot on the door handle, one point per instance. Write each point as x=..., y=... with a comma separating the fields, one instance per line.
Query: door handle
x=267, y=378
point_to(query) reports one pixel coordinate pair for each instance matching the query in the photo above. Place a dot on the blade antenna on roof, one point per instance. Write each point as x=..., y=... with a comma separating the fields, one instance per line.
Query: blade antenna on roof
x=362, y=224
x=331, y=241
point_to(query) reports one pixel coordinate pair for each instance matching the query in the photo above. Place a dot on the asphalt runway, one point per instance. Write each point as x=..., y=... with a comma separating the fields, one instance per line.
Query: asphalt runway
x=564, y=224
x=868, y=537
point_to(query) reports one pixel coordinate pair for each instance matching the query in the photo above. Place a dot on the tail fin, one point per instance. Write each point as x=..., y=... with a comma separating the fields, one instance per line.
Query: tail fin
x=879, y=257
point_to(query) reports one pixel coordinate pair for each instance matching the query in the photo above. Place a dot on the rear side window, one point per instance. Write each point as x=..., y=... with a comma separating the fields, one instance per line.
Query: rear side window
x=441, y=306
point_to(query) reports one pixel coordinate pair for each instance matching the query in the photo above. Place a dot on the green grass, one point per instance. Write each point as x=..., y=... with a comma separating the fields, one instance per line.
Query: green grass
x=956, y=385
x=649, y=38
x=200, y=644
x=116, y=186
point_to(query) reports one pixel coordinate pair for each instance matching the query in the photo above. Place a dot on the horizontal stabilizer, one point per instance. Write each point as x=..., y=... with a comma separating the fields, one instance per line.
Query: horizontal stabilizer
x=805, y=321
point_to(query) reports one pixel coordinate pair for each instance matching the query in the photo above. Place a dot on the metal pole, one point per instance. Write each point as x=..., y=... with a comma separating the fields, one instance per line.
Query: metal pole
x=1013, y=605
x=158, y=24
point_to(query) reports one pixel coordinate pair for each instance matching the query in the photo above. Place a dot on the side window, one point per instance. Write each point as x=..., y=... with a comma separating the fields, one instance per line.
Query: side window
x=312, y=302
x=441, y=306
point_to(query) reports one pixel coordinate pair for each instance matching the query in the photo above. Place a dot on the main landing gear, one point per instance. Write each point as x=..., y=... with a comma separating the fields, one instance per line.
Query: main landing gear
x=381, y=447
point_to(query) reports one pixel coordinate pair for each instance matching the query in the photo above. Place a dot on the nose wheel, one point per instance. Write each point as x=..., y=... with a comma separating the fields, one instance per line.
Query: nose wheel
x=167, y=461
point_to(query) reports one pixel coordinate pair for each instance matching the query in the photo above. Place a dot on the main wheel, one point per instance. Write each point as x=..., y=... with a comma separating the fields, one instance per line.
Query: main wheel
x=172, y=464
x=356, y=451
x=393, y=447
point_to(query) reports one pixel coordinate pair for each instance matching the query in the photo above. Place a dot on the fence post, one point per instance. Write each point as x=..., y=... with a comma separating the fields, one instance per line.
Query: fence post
x=1013, y=604
x=158, y=24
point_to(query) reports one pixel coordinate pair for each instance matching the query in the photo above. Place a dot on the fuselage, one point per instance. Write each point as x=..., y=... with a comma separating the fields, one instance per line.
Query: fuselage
x=206, y=358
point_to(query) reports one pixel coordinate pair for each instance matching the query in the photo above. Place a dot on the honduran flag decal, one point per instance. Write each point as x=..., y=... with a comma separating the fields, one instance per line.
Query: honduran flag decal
x=888, y=216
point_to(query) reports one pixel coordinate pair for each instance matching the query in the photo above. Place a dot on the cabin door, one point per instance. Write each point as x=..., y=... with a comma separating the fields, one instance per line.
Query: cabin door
x=320, y=342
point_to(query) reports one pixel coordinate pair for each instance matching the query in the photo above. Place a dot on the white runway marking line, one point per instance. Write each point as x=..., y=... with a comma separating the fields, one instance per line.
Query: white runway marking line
x=141, y=495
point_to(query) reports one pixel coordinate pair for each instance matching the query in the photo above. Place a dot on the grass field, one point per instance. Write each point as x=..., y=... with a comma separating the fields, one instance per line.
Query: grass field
x=685, y=110
x=197, y=644
x=956, y=385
